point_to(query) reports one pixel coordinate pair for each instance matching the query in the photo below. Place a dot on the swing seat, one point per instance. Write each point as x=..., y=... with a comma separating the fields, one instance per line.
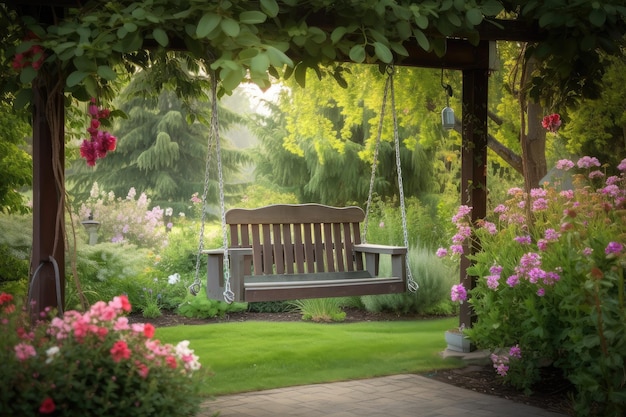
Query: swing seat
x=289, y=252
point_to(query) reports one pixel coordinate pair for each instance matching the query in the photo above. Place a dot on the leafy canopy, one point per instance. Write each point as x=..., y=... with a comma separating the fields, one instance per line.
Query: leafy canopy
x=243, y=40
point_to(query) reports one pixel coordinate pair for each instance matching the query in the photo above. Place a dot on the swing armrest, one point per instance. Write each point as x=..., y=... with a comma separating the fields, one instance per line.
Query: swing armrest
x=372, y=258
x=215, y=269
x=380, y=249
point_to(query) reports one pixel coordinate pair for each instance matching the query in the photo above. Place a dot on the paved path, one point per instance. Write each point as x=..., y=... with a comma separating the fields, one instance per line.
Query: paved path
x=392, y=396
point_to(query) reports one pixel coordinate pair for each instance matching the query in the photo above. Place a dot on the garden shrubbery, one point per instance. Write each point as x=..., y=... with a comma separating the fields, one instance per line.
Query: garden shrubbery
x=550, y=285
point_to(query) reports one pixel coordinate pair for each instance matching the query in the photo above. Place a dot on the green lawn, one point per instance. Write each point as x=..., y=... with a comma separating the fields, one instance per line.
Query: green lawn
x=251, y=356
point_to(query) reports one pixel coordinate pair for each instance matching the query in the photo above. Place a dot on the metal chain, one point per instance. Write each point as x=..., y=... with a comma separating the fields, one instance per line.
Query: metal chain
x=228, y=294
x=375, y=162
x=194, y=288
x=412, y=285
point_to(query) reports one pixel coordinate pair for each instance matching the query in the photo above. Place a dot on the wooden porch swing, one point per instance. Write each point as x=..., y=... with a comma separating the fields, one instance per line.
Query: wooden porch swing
x=296, y=251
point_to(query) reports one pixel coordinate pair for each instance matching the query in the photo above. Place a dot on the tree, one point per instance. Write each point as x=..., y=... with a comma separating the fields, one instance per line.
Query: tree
x=158, y=150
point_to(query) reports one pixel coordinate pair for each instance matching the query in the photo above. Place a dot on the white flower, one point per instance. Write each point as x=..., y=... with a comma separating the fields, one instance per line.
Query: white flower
x=169, y=211
x=181, y=214
x=173, y=279
x=51, y=353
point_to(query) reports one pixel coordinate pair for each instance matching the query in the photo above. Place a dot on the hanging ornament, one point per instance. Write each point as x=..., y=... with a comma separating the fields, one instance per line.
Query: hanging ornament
x=447, y=114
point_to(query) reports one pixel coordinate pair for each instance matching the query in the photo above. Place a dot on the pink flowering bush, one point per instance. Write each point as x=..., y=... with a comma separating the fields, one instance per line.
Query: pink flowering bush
x=92, y=363
x=125, y=220
x=550, y=282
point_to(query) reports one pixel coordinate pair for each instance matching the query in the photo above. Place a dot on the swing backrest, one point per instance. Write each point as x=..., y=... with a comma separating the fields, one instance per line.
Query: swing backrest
x=298, y=239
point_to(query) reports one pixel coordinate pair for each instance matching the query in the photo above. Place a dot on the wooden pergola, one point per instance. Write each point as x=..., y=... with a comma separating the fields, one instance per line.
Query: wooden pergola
x=48, y=150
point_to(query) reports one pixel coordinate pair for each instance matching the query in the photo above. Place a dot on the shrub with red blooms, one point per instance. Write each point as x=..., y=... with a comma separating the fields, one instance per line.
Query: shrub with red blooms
x=551, y=122
x=32, y=57
x=92, y=363
x=100, y=142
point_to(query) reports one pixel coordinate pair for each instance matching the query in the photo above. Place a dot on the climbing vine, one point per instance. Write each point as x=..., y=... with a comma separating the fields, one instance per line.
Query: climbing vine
x=92, y=44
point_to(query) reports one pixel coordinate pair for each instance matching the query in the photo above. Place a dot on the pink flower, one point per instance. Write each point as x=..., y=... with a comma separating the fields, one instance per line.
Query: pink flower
x=564, y=164
x=551, y=122
x=458, y=293
x=24, y=351
x=442, y=252
x=523, y=240
x=513, y=280
x=613, y=247
x=502, y=369
x=493, y=281
x=588, y=162
x=120, y=351
x=622, y=165
x=462, y=212
x=148, y=330
x=515, y=352
x=541, y=292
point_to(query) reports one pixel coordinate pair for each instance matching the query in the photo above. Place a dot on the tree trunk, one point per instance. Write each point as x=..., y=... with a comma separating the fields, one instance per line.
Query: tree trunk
x=533, y=138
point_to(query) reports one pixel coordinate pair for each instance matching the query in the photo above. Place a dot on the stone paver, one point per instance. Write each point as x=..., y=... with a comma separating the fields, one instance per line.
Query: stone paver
x=392, y=396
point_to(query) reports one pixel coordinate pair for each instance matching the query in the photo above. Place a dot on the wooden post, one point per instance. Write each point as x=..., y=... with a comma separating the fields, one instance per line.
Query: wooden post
x=473, y=164
x=48, y=200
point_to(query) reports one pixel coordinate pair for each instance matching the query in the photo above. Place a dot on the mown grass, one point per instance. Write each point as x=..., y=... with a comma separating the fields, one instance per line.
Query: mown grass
x=252, y=356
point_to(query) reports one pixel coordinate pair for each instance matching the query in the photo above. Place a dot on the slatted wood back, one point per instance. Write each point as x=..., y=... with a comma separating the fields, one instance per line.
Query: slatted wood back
x=297, y=239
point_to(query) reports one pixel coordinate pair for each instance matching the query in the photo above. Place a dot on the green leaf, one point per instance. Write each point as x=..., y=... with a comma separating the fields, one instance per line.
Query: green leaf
x=252, y=17
x=85, y=64
x=130, y=27
x=230, y=27
x=597, y=17
x=27, y=75
x=383, y=53
x=421, y=21
x=337, y=34
x=546, y=19
x=260, y=63
x=160, y=36
x=207, y=23
x=454, y=19
x=399, y=49
x=75, y=78
x=474, y=16
x=491, y=7
x=278, y=57
x=357, y=54
x=107, y=73
x=270, y=7
x=421, y=39
x=231, y=78
x=404, y=29
x=23, y=98
x=300, y=75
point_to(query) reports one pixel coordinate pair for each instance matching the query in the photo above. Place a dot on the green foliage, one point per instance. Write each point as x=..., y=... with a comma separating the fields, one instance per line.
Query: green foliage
x=323, y=310
x=258, y=196
x=201, y=307
x=160, y=150
x=100, y=353
x=15, y=162
x=434, y=278
x=15, y=246
x=553, y=285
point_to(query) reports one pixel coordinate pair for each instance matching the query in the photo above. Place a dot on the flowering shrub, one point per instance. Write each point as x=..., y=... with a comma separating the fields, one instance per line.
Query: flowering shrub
x=93, y=363
x=127, y=220
x=550, y=282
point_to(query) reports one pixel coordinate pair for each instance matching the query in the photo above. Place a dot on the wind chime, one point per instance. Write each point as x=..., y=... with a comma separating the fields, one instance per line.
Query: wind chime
x=447, y=114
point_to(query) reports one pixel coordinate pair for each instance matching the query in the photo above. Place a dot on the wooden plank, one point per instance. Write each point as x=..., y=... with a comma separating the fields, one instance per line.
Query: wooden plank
x=314, y=277
x=356, y=233
x=328, y=249
x=257, y=250
x=234, y=235
x=338, y=246
x=278, y=249
x=267, y=251
x=289, y=249
x=337, y=289
x=318, y=253
x=299, y=247
x=348, y=244
x=309, y=248
x=294, y=213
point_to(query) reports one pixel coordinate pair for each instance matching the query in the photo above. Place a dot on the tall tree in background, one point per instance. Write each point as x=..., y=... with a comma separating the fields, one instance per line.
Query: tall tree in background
x=160, y=150
x=321, y=146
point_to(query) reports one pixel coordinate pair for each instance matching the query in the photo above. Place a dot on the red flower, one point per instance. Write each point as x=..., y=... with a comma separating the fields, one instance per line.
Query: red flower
x=47, y=406
x=551, y=122
x=5, y=298
x=148, y=330
x=120, y=351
